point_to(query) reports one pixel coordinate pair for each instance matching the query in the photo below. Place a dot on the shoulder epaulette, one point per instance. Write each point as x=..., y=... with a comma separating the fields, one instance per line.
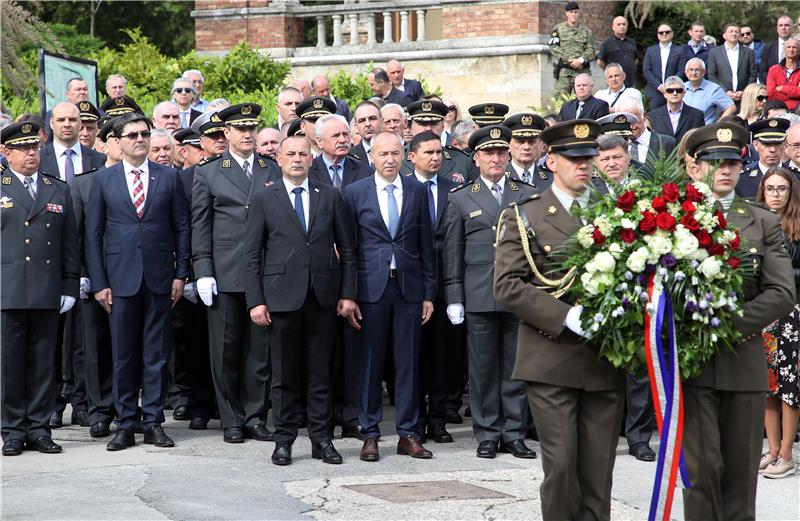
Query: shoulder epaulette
x=459, y=187
x=265, y=156
x=534, y=196
x=355, y=156
x=88, y=171
x=210, y=159
x=454, y=149
x=55, y=178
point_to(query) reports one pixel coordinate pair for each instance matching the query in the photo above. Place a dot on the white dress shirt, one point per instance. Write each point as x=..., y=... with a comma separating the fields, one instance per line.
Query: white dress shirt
x=726, y=201
x=664, y=58
x=674, y=117
x=293, y=198
x=383, y=201
x=733, y=60
x=61, y=159
x=144, y=176
x=643, y=146
x=241, y=160
x=34, y=176
x=434, y=189
x=612, y=98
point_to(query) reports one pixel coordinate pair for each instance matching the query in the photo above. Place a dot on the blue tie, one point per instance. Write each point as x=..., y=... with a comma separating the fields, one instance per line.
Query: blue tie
x=298, y=206
x=69, y=166
x=335, y=178
x=394, y=213
x=431, y=202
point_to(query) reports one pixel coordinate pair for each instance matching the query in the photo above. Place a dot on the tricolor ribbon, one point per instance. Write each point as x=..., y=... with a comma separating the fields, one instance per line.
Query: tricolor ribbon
x=665, y=387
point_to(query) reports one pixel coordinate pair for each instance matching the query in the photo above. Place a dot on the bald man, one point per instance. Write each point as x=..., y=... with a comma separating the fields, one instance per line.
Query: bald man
x=396, y=72
x=320, y=86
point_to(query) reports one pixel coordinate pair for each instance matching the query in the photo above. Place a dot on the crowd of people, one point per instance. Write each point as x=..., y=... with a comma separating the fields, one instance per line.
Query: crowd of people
x=190, y=260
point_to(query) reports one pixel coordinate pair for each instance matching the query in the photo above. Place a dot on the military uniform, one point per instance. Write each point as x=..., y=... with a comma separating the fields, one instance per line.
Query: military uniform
x=767, y=131
x=570, y=43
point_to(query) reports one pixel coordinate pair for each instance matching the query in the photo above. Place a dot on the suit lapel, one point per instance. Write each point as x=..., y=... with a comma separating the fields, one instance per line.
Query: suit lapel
x=49, y=162
x=152, y=185
x=260, y=176
x=557, y=216
x=118, y=178
x=19, y=195
x=348, y=172
x=234, y=173
x=484, y=198
x=283, y=197
x=313, y=203
x=372, y=195
x=44, y=192
x=441, y=201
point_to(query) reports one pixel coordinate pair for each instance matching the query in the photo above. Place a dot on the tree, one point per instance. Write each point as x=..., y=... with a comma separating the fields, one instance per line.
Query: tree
x=19, y=29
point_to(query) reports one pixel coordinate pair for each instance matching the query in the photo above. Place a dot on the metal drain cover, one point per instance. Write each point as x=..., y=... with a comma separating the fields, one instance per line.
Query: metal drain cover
x=412, y=491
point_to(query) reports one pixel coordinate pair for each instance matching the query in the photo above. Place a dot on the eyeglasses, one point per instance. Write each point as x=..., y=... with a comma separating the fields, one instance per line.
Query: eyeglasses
x=761, y=98
x=452, y=109
x=779, y=190
x=185, y=90
x=133, y=136
x=664, y=33
x=674, y=91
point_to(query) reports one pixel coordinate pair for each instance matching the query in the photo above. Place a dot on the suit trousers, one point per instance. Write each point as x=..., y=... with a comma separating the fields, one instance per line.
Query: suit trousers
x=497, y=402
x=140, y=342
x=578, y=433
x=239, y=355
x=346, y=374
x=301, y=347
x=640, y=418
x=98, y=364
x=200, y=398
x=390, y=324
x=178, y=387
x=29, y=339
x=722, y=442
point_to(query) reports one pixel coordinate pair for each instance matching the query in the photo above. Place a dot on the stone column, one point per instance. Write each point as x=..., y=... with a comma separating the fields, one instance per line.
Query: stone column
x=371, y=29
x=353, y=29
x=337, y=30
x=321, y=31
x=404, y=26
x=420, y=25
x=387, y=27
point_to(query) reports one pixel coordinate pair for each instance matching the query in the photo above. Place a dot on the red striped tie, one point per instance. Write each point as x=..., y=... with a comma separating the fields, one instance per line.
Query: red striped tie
x=138, y=192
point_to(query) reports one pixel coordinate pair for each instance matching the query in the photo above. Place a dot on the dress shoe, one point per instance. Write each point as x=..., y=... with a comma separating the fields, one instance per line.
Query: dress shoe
x=198, y=423
x=155, y=435
x=439, y=434
x=180, y=413
x=325, y=451
x=13, y=447
x=122, y=440
x=45, y=445
x=99, y=430
x=258, y=432
x=282, y=455
x=56, y=418
x=79, y=417
x=518, y=449
x=487, y=449
x=454, y=417
x=411, y=446
x=642, y=452
x=233, y=435
x=369, y=451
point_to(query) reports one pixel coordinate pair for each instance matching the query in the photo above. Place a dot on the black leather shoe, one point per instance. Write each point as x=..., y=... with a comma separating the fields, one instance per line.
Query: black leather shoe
x=155, y=435
x=282, y=455
x=258, y=432
x=198, y=423
x=642, y=452
x=233, y=435
x=487, y=449
x=45, y=445
x=518, y=449
x=180, y=413
x=439, y=434
x=99, y=430
x=13, y=447
x=79, y=417
x=122, y=440
x=454, y=417
x=325, y=451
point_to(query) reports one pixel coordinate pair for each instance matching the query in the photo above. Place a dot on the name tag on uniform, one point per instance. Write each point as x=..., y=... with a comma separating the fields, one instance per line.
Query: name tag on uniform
x=55, y=208
x=6, y=202
x=476, y=213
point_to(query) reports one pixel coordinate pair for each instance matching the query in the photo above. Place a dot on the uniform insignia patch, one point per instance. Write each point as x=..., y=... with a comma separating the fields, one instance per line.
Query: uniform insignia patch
x=226, y=163
x=247, y=110
x=581, y=131
x=724, y=135
x=542, y=175
x=317, y=103
x=494, y=133
x=447, y=155
x=6, y=180
x=6, y=202
x=754, y=173
x=773, y=123
x=514, y=187
x=455, y=176
x=740, y=211
x=84, y=106
x=552, y=210
x=262, y=163
x=46, y=181
x=476, y=213
x=527, y=120
x=26, y=128
x=476, y=187
x=55, y=208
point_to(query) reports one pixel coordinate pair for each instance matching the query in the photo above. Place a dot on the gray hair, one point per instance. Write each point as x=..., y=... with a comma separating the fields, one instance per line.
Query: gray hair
x=186, y=74
x=631, y=105
x=158, y=108
x=793, y=118
x=162, y=132
x=396, y=107
x=698, y=61
x=672, y=80
x=462, y=129
x=182, y=81
x=116, y=77
x=321, y=122
x=610, y=141
x=617, y=65
x=218, y=104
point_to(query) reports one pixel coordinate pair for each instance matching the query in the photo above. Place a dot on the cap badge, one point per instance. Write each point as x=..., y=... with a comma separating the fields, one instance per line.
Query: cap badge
x=215, y=118
x=488, y=109
x=26, y=128
x=527, y=120
x=317, y=103
x=724, y=135
x=427, y=106
x=581, y=131
x=773, y=123
x=84, y=106
x=620, y=119
x=119, y=101
x=495, y=133
x=246, y=110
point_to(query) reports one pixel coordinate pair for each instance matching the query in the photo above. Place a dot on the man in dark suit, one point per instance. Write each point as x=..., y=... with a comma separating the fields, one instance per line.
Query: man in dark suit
x=66, y=125
x=396, y=285
x=772, y=52
x=497, y=403
x=41, y=266
x=724, y=405
x=675, y=118
x=696, y=47
x=721, y=71
x=645, y=144
x=320, y=86
x=396, y=72
x=577, y=397
x=660, y=62
x=584, y=106
x=299, y=267
x=368, y=123
x=334, y=166
x=137, y=252
x=768, y=137
x=381, y=86
x=221, y=197
x=183, y=94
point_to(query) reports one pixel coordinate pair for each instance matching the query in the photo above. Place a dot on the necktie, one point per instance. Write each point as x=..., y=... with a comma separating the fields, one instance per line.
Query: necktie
x=394, y=212
x=184, y=119
x=138, y=192
x=635, y=150
x=69, y=168
x=580, y=109
x=526, y=175
x=497, y=192
x=575, y=207
x=431, y=202
x=336, y=179
x=246, y=168
x=29, y=186
x=298, y=206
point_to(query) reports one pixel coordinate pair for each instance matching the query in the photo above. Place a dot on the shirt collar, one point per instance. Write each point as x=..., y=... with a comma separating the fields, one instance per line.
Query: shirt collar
x=290, y=186
x=729, y=48
x=380, y=183
x=727, y=200
x=566, y=199
x=665, y=46
x=143, y=168
x=241, y=160
x=501, y=182
x=675, y=111
x=519, y=169
x=59, y=148
x=422, y=179
x=34, y=176
x=328, y=162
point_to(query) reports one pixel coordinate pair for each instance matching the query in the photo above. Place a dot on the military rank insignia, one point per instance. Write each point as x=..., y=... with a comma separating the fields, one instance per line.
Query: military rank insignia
x=262, y=163
x=458, y=178
x=447, y=155
x=226, y=163
x=6, y=202
x=55, y=208
x=6, y=180
x=514, y=187
x=46, y=181
x=476, y=187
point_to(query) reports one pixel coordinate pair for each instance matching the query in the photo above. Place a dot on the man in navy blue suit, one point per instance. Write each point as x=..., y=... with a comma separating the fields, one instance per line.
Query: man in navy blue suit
x=660, y=62
x=334, y=166
x=396, y=287
x=396, y=72
x=137, y=252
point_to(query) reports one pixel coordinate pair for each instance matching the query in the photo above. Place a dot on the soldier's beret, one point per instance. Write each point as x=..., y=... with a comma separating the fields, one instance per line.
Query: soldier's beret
x=20, y=134
x=576, y=138
x=721, y=140
x=241, y=115
x=490, y=136
x=315, y=107
x=572, y=6
x=770, y=130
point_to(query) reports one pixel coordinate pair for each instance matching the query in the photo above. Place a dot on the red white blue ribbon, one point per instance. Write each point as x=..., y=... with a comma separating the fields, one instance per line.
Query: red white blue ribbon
x=665, y=387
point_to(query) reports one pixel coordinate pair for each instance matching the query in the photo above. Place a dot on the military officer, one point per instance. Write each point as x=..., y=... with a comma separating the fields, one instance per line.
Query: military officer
x=89, y=116
x=118, y=106
x=576, y=397
x=573, y=47
x=497, y=402
x=488, y=113
x=41, y=267
x=768, y=138
x=724, y=406
x=526, y=149
x=308, y=112
x=239, y=349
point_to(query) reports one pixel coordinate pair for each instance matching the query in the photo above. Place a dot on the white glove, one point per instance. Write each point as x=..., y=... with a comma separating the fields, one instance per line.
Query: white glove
x=573, y=320
x=455, y=312
x=86, y=287
x=206, y=289
x=66, y=303
x=190, y=292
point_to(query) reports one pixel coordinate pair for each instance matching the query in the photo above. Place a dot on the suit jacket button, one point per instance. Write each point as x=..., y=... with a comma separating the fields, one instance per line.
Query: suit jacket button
x=47, y=261
x=27, y=259
x=27, y=223
x=27, y=241
x=494, y=227
x=308, y=244
x=47, y=225
x=49, y=243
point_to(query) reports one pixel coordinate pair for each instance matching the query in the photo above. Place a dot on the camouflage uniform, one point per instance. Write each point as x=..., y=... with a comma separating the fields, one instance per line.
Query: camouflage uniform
x=568, y=43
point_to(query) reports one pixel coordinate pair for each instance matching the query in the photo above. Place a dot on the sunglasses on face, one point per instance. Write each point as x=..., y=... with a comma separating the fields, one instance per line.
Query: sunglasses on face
x=452, y=109
x=761, y=98
x=183, y=90
x=664, y=33
x=134, y=135
x=674, y=91
x=746, y=33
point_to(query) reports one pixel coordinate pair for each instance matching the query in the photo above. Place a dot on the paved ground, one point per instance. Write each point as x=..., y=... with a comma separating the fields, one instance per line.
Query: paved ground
x=204, y=478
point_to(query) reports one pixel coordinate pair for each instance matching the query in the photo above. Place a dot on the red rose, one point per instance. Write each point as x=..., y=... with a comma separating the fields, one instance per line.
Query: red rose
x=690, y=223
x=692, y=193
x=723, y=222
x=659, y=204
x=598, y=237
x=665, y=221
x=716, y=249
x=688, y=206
x=648, y=222
x=628, y=235
x=626, y=201
x=735, y=243
x=671, y=192
x=734, y=262
x=704, y=238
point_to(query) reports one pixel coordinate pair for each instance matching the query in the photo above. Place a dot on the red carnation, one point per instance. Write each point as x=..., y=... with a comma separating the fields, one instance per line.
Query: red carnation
x=723, y=223
x=735, y=243
x=598, y=237
x=659, y=204
x=704, y=238
x=665, y=221
x=648, y=222
x=688, y=206
x=690, y=223
x=734, y=262
x=626, y=201
x=716, y=249
x=628, y=235
x=692, y=193
x=671, y=192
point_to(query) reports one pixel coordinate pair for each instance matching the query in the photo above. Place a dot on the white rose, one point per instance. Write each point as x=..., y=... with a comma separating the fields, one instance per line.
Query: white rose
x=627, y=223
x=618, y=212
x=659, y=245
x=685, y=244
x=702, y=188
x=615, y=249
x=644, y=204
x=710, y=267
x=590, y=284
x=603, y=225
x=637, y=260
x=590, y=267
x=699, y=254
x=604, y=262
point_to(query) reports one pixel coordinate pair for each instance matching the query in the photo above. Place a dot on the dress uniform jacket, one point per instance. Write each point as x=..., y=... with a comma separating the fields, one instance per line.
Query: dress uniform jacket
x=747, y=187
